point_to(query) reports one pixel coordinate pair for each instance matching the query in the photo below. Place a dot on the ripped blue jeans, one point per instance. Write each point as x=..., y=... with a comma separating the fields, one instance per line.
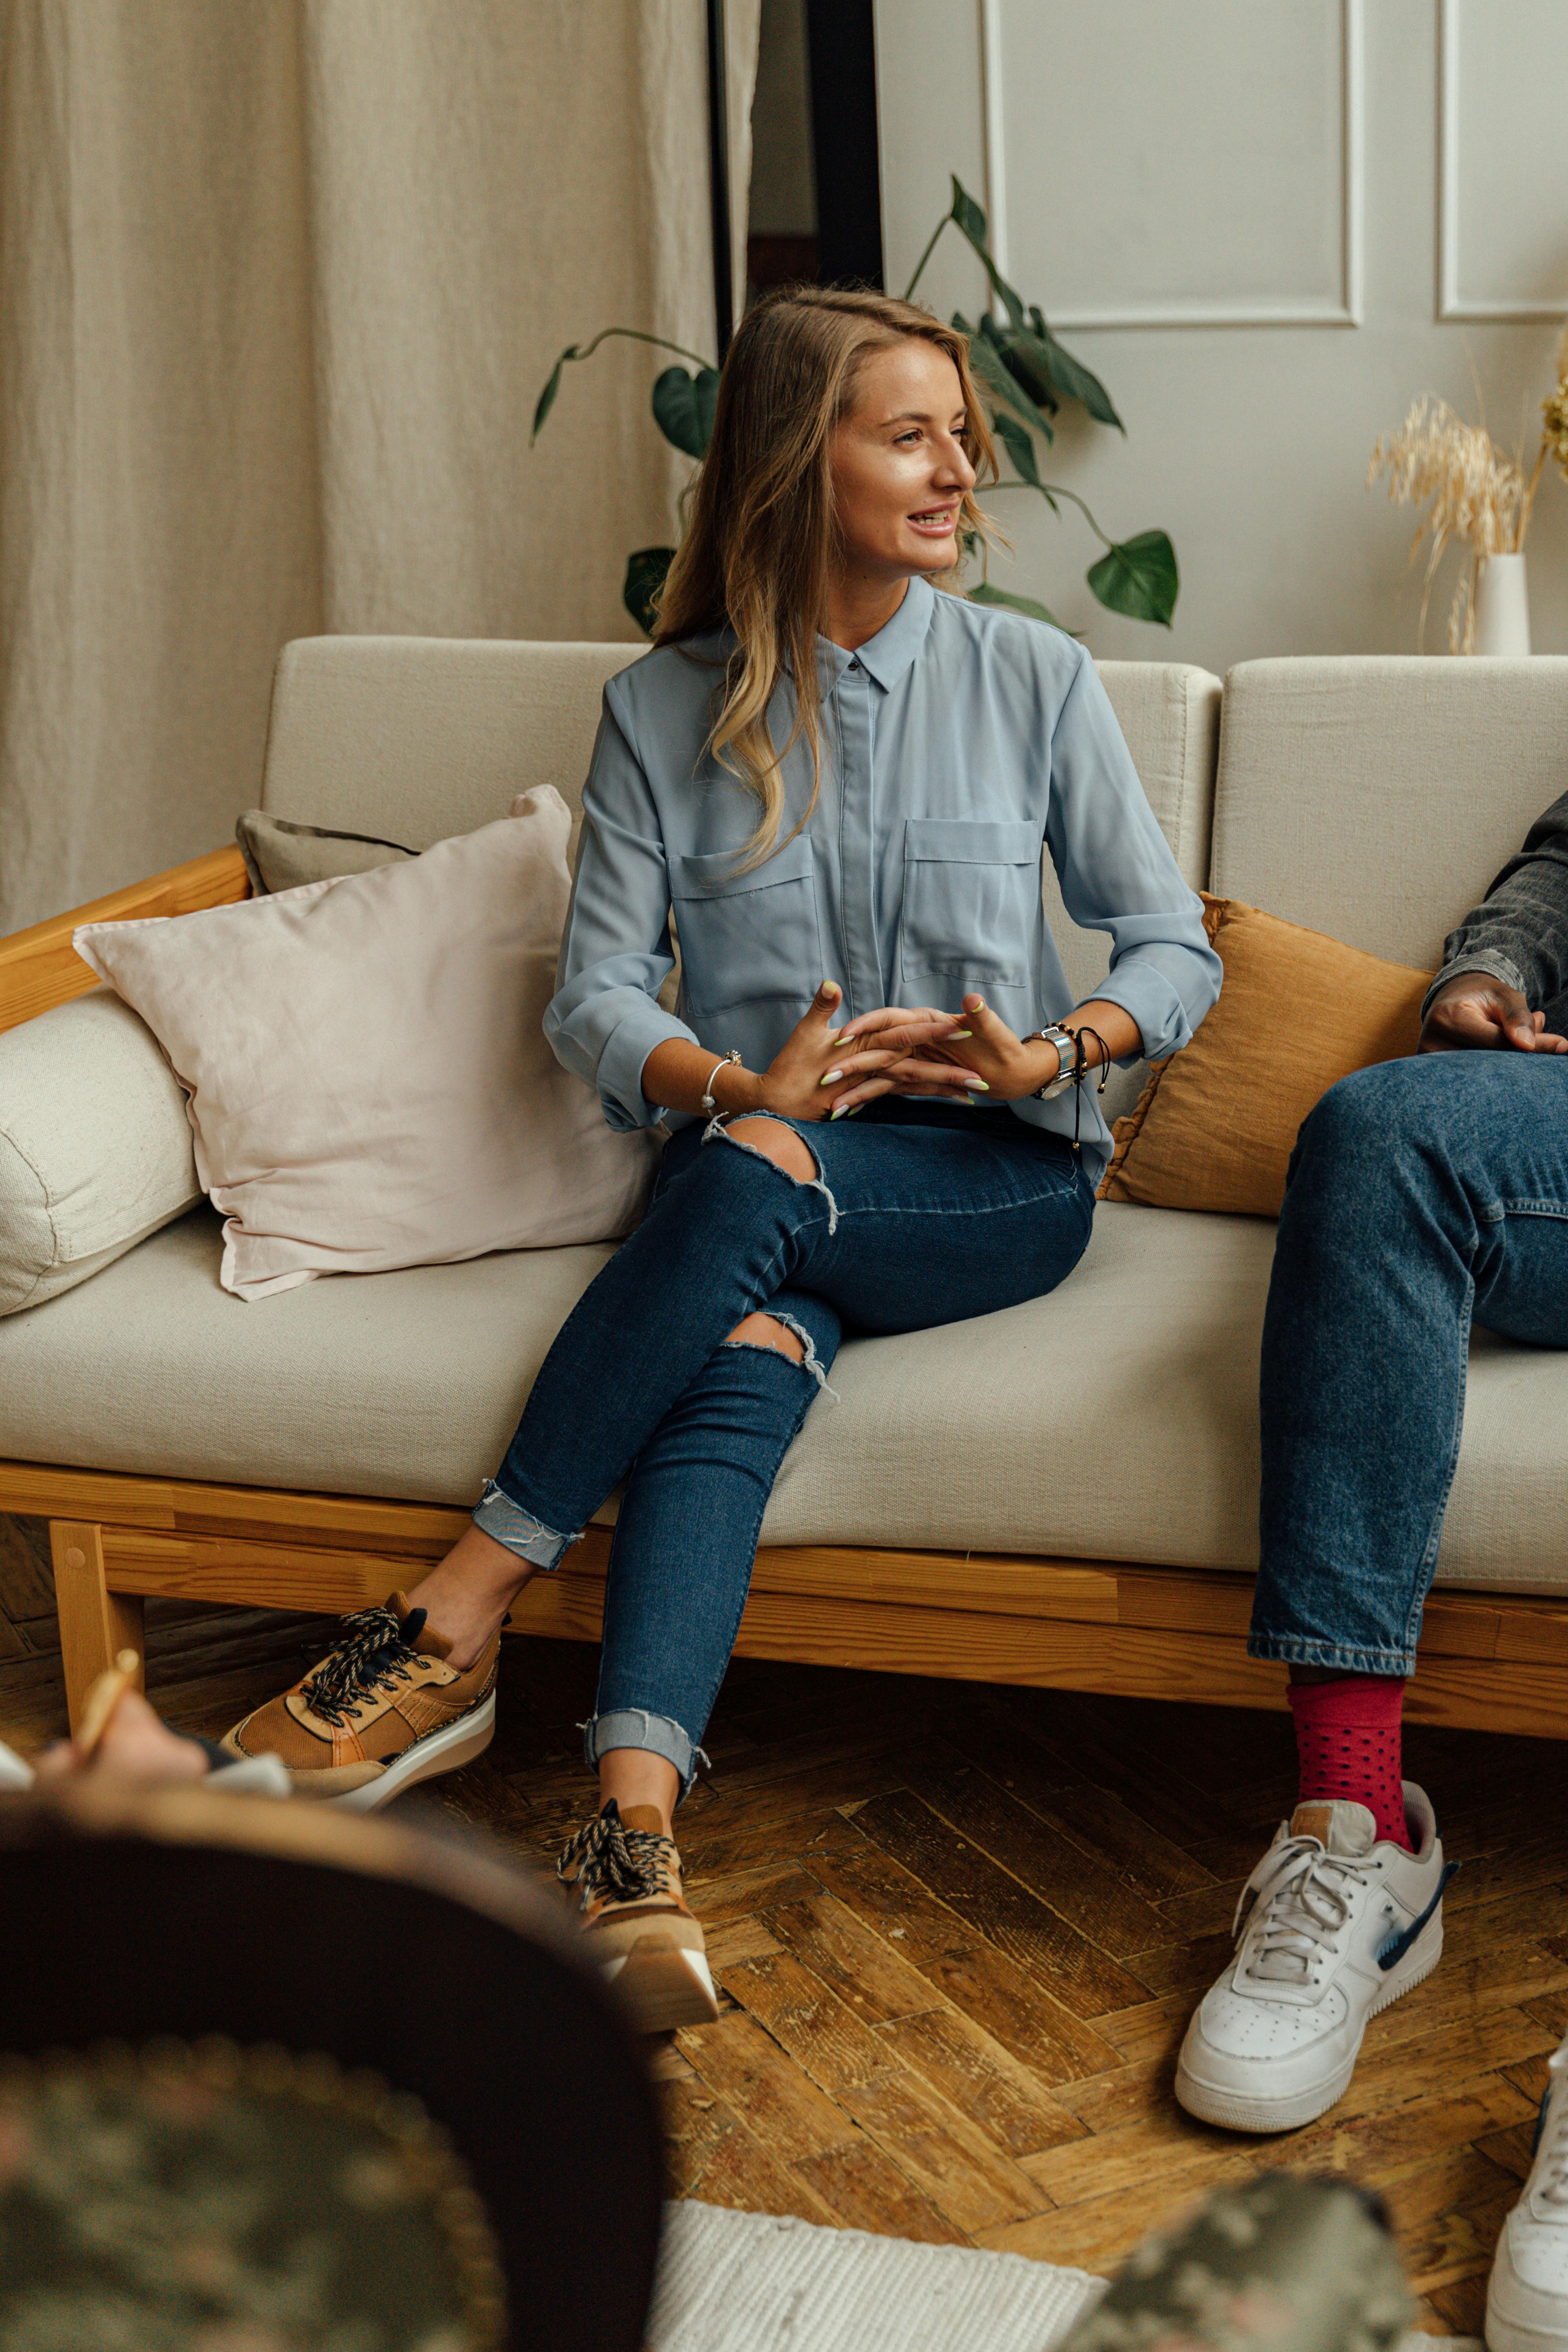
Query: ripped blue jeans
x=922, y=1213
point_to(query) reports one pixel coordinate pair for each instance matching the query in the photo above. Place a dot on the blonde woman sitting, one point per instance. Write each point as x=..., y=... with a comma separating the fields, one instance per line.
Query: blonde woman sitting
x=842, y=782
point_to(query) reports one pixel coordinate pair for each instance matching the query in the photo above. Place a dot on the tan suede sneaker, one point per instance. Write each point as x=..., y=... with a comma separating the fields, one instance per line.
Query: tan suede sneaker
x=635, y=1924
x=382, y=1711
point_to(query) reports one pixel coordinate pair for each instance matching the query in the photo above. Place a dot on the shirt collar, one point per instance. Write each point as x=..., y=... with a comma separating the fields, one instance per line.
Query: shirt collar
x=888, y=655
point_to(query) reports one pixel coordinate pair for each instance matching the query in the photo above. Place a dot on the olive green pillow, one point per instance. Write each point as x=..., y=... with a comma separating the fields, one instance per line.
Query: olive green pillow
x=280, y=854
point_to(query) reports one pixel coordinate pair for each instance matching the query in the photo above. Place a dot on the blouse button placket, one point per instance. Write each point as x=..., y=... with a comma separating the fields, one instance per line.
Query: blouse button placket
x=863, y=974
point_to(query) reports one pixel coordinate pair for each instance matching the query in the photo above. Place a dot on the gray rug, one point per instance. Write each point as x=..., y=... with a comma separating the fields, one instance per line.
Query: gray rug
x=747, y=2282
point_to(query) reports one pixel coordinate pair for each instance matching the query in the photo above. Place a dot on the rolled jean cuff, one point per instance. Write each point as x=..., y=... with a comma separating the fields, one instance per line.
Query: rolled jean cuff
x=633, y=1727
x=507, y=1523
x=1307, y=1650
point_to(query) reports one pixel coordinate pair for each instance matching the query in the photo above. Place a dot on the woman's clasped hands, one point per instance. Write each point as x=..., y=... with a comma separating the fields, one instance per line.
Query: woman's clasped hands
x=824, y=1072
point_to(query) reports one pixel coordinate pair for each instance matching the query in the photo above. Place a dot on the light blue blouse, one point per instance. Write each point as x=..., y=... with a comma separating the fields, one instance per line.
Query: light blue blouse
x=959, y=741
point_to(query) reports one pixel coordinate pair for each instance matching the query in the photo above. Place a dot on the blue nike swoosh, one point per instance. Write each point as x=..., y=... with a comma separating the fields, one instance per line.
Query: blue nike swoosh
x=1394, y=1951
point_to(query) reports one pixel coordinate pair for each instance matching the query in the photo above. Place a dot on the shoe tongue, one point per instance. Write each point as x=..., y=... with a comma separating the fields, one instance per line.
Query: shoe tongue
x=1337, y=1823
x=417, y=1631
x=643, y=1817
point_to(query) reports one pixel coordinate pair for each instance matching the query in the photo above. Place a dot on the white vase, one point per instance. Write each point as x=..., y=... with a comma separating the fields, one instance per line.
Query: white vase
x=1503, y=607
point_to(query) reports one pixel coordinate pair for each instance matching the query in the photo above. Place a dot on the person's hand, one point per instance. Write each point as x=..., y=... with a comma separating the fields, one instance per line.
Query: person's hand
x=819, y=1065
x=1475, y=1010
x=972, y=1053
x=133, y=1745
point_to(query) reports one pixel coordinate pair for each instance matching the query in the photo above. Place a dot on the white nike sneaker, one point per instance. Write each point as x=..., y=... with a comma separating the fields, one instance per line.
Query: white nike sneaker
x=1330, y=1928
x=1527, y=2301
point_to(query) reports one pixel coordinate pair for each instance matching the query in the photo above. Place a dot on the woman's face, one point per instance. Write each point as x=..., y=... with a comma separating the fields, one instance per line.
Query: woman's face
x=900, y=471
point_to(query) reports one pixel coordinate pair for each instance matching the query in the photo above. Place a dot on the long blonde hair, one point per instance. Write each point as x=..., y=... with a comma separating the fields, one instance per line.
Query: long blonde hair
x=763, y=535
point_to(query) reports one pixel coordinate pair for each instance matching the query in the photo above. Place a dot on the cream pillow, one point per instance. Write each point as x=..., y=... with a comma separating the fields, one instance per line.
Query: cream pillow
x=95, y=1147
x=370, y=1084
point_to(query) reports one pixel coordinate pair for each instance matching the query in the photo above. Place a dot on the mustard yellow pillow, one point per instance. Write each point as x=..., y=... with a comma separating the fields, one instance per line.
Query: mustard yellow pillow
x=1215, y=1125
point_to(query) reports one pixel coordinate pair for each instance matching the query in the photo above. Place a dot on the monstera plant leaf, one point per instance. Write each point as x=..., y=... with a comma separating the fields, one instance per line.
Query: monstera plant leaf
x=987, y=359
x=683, y=408
x=1026, y=374
x=1138, y=577
x=1046, y=370
x=644, y=584
x=1021, y=451
x=986, y=594
x=1070, y=376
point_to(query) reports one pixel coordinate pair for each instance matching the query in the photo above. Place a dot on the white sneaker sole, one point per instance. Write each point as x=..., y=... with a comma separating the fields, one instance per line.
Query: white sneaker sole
x=438, y=1751
x=1213, y=2103
x=664, y=1987
x=1511, y=2336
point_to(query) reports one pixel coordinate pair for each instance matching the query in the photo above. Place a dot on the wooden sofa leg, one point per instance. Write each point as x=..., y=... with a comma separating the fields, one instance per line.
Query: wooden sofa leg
x=95, y=1623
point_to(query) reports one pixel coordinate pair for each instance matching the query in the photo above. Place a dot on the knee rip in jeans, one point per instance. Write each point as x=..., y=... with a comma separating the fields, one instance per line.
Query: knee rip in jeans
x=751, y=1332
x=716, y=1130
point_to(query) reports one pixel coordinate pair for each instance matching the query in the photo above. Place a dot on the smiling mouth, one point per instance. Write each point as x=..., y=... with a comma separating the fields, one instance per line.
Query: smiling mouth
x=935, y=519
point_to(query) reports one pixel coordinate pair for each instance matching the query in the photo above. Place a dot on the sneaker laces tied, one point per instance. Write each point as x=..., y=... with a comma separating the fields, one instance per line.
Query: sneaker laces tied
x=1303, y=1900
x=623, y=1866
x=376, y=1657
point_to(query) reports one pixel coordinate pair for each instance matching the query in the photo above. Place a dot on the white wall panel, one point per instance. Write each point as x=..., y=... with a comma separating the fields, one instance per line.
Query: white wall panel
x=1193, y=160
x=1161, y=164
x=1503, y=160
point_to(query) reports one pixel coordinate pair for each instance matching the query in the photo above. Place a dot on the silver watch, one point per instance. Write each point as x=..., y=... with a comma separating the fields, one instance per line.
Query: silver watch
x=1066, y=1047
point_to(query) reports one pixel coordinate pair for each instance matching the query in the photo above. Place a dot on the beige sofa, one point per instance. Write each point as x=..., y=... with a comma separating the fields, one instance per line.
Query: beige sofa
x=308, y=1451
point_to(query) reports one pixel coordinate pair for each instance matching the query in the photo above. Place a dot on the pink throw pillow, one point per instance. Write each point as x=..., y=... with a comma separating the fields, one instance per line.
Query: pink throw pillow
x=368, y=1077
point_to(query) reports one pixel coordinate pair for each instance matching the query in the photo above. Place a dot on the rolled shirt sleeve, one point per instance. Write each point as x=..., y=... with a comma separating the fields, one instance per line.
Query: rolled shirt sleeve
x=604, y=1019
x=1118, y=876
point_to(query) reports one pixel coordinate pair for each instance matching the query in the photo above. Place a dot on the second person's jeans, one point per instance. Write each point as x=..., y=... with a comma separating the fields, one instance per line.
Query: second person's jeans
x=920, y=1214
x=1422, y=1194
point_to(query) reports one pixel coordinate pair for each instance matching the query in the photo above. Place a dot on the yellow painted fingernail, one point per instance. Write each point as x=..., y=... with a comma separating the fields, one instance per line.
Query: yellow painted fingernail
x=980, y=1085
x=827, y=1081
x=838, y=1112
x=961, y=1032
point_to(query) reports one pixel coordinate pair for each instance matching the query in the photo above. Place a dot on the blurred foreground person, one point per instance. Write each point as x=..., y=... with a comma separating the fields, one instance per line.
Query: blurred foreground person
x=1286, y=2263
x=233, y=2119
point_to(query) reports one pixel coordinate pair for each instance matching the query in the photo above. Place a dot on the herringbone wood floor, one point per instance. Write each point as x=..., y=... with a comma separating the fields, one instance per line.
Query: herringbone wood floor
x=959, y=1930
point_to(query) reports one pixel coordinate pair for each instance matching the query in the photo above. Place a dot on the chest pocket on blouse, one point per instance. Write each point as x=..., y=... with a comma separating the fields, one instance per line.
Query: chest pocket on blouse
x=751, y=936
x=972, y=899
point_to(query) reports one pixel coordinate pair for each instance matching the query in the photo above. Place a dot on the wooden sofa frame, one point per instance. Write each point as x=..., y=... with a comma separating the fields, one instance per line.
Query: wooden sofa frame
x=1492, y=1661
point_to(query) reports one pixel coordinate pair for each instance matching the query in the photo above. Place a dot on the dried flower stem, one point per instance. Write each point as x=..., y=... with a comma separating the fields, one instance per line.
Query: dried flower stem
x=1476, y=494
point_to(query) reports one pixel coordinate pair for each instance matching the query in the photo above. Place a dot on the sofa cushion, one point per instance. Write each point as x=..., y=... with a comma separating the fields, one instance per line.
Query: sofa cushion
x=1140, y=1371
x=396, y=1384
x=1170, y=714
x=95, y=1145
x=1374, y=797
x=409, y=739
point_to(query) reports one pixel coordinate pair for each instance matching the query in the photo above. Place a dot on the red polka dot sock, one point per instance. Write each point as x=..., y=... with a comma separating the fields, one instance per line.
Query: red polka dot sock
x=1347, y=1743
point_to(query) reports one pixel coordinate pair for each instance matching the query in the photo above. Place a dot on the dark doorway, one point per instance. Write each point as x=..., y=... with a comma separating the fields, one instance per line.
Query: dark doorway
x=816, y=205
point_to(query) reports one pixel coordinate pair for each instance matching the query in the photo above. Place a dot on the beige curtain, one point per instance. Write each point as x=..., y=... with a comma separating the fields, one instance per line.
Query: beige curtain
x=279, y=281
